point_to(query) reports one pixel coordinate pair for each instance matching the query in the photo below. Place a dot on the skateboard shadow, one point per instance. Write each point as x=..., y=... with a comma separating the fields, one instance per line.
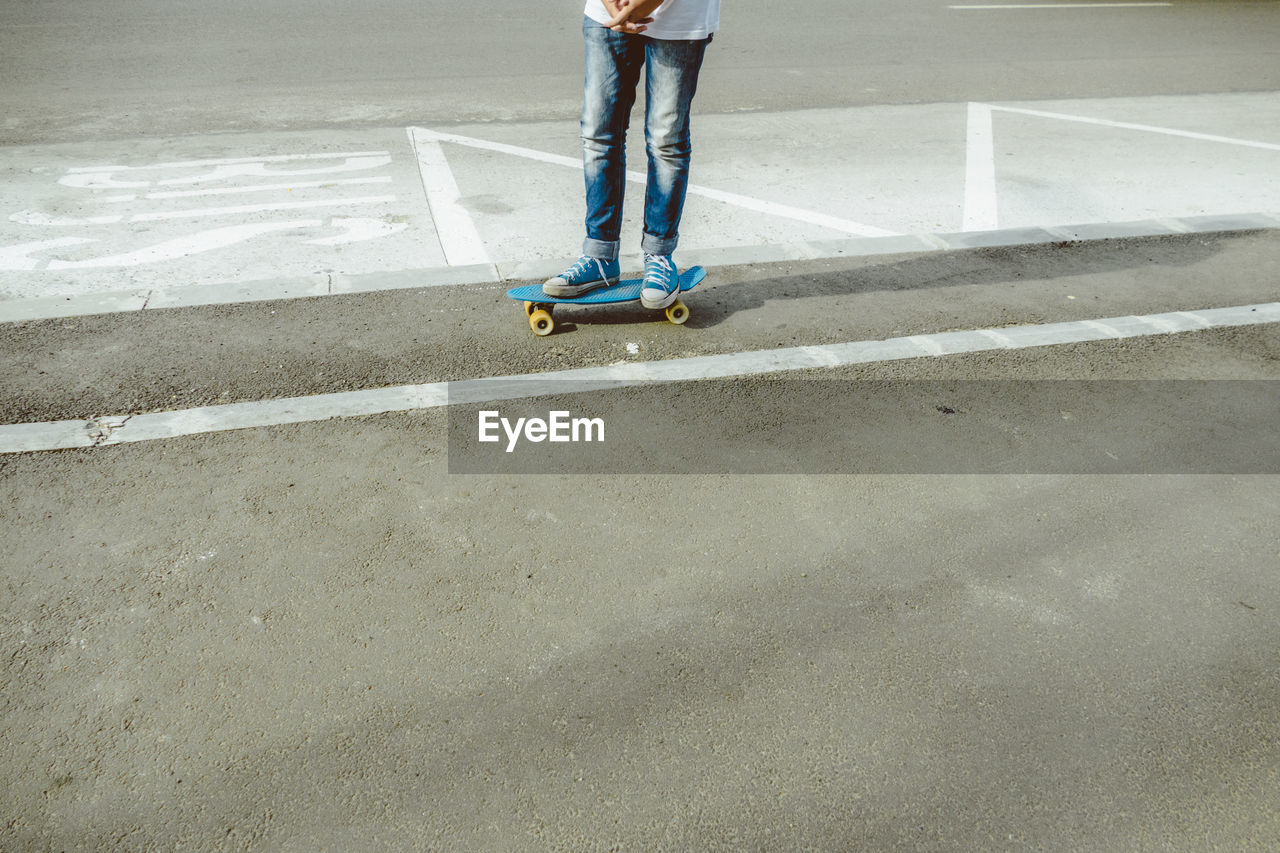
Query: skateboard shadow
x=732, y=290
x=735, y=289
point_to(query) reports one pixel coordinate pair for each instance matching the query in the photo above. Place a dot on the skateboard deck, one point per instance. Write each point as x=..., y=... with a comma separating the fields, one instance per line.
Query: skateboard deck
x=538, y=306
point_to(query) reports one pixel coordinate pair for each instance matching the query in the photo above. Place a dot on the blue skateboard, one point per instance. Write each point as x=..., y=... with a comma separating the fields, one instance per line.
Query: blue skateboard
x=538, y=306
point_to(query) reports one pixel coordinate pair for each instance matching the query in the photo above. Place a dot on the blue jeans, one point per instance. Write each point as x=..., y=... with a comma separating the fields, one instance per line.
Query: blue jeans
x=614, y=64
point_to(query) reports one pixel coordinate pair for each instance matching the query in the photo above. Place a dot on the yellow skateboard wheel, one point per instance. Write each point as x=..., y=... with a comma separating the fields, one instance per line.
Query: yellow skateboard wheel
x=678, y=312
x=541, y=323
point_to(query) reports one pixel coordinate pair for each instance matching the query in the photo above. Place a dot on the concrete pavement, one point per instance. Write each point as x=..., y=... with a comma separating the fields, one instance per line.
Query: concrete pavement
x=119, y=226
x=319, y=635
x=313, y=636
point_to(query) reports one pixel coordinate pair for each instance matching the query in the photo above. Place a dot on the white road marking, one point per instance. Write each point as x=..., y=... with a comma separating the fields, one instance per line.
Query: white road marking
x=358, y=230
x=98, y=302
x=455, y=228
x=746, y=202
x=191, y=244
x=1159, y=324
x=1198, y=320
x=228, y=161
x=980, y=205
x=353, y=229
x=57, y=435
x=99, y=181
x=1103, y=329
x=103, y=177
x=927, y=345
x=260, y=170
x=44, y=220
x=1003, y=342
x=19, y=257
x=195, y=213
x=1145, y=128
x=261, y=188
x=783, y=211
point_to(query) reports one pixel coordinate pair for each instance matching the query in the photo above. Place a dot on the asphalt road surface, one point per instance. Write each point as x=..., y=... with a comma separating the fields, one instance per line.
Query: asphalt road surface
x=121, y=68
x=1009, y=366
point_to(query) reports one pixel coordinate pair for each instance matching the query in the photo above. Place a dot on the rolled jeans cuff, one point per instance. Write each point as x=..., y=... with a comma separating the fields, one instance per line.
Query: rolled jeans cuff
x=658, y=245
x=605, y=250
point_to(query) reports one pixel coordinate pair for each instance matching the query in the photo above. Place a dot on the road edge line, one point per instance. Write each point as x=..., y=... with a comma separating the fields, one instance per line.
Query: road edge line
x=153, y=426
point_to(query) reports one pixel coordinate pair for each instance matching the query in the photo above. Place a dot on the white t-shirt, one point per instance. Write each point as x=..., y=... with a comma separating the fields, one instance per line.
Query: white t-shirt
x=674, y=19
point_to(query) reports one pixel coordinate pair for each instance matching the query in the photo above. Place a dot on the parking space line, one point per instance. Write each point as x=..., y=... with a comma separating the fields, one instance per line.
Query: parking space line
x=104, y=431
x=980, y=211
x=456, y=230
x=758, y=205
x=1145, y=128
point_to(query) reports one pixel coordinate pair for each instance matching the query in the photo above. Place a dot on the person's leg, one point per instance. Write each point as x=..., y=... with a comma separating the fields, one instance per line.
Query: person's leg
x=613, y=65
x=670, y=84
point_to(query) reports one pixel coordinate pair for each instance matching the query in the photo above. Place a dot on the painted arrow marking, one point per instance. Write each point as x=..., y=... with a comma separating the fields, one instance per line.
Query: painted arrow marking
x=192, y=244
x=358, y=230
x=19, y=257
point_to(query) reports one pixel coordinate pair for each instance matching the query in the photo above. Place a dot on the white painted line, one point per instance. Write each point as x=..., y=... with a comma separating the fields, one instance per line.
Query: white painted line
x=104, y=178
x=1103, y=329
x=1003, y=341
x=1159, y=324
x=770, y=208
x=783, y=211
x=190, y=244
x=1145, y=128
x=260, y=170
x=455, y=228
x=498, y=147
x=298, y=185
x=820, y=356
x=359, y=230
x=238, y=210
x=1059, y=6
x=980, y=210
x=58, y=435
x=19, y=257
x=1198, y=320
x=232, y=161
x=44, y=220
x=927, y=345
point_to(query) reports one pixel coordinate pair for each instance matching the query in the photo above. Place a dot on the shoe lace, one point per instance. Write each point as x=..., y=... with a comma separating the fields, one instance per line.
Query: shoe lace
x=657, y=268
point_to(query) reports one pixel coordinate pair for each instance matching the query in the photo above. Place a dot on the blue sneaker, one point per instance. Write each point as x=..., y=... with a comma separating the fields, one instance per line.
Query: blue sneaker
x=661, y=282
x=583, y=277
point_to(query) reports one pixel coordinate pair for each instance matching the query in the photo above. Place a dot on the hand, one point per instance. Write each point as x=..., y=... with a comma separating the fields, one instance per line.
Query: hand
x=629, y=17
